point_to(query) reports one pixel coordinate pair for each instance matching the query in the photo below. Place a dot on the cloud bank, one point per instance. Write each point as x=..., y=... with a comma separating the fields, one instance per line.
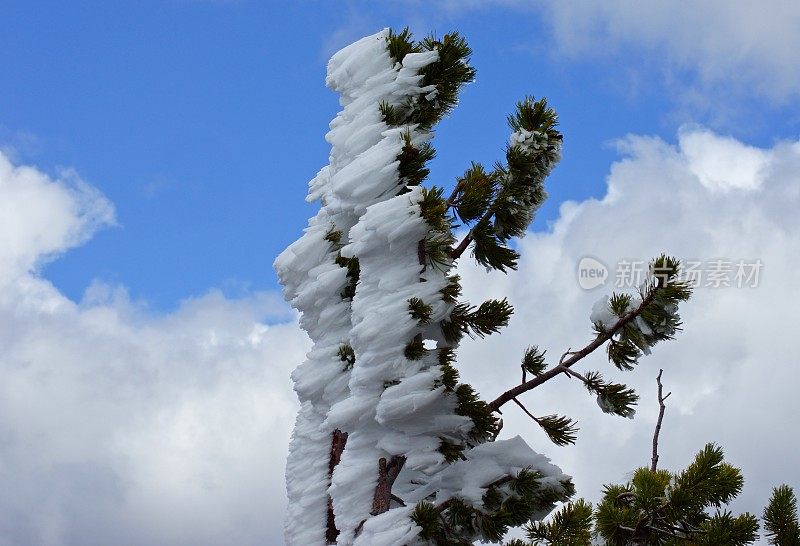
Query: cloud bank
x=732, y=370
x=725, y=44
x=122, y=427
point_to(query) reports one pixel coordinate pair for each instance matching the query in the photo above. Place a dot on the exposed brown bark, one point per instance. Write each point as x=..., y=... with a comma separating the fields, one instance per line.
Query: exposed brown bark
x=387, y=474
x=462, y=246
x=338, y=441
x=574, y=357
x=661, y=408
x=421, y=256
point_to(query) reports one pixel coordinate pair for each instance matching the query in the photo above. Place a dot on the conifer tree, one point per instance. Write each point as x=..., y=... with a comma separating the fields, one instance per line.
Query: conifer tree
x=660, y=507
x=389, y=446
x=780, y=518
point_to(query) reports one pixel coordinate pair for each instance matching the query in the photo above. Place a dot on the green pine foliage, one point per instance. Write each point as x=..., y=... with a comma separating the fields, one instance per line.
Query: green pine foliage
x=435, y=248
x=412, y=162
x=480, y=321
x=334, y=237
x=659, y=507
x=561, y=430
x=347, y=355
x=469, y=404
x=457, y=523
x=452, y=451
x=533, y=361
x=656, y=314
x=419, y=310
x=447, y=357
x=615, y=398
x=353, y=272
x=400, y=44
x=780, y=518
x=474, y=192
x=569, y=526
x=497, y=205
x=415, y=349
x=448, y=74
x=452, y=291
x=490, y=249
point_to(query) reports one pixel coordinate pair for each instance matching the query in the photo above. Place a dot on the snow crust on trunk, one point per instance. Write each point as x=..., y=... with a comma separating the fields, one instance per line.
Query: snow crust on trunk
x=389, y=405
x=397, y=406
x=362, y=170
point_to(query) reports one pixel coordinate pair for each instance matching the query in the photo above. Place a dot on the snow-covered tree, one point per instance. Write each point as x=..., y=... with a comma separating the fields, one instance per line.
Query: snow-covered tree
x=389, y=447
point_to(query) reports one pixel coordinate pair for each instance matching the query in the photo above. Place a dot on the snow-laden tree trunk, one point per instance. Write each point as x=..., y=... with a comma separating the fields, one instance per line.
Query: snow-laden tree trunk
x=388, y=447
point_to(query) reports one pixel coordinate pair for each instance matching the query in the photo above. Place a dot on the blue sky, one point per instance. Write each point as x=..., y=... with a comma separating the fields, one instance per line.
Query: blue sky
x=203, y=121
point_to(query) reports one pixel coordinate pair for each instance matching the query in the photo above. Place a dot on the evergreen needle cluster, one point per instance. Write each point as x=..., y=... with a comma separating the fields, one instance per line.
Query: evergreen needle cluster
x=658, y=507
x=366, y=388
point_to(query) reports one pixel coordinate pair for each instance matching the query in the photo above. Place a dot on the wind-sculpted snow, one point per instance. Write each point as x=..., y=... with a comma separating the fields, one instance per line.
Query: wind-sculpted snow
x=485, y=464
x=362, y=171
x=359, y=378
x=395, y=407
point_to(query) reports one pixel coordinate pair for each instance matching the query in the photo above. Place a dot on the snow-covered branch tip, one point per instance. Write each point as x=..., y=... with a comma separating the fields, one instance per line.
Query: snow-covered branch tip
x=500, y=205
x=630, y=324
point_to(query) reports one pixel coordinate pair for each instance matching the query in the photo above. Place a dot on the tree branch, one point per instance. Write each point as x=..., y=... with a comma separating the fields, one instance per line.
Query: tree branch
x=532, y=416
x=576, y=356
x=387, y=474
x=452, y=199
x=661, y=408
x=462, y=246
x=338, y=441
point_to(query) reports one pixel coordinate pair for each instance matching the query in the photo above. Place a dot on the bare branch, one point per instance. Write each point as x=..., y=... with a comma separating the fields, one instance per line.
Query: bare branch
x=517, y=402
x=572, y=373
x=397, y=499
x=575, y=356
x=661, y=408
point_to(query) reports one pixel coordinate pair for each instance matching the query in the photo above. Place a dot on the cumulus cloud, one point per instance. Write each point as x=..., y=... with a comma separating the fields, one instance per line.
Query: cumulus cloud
x=119, y=426
x=40, y=217
x=710, y=59
x=724, y=163
x=724, y=43
x=732, y=372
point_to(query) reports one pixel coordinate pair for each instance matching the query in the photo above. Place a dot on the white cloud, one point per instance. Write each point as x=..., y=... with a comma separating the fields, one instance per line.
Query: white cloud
x=118, y=426
x=724, y=43
x=723, y=163
x=41, y=217
x=732, y=371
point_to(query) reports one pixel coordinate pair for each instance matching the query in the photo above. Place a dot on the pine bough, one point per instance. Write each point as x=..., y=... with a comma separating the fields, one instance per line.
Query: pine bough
x=389, y=448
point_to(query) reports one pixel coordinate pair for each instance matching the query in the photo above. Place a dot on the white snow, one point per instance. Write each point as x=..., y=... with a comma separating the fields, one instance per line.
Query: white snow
x=533, y=141
x=389, y=405
x=602, y=313
x=486, y=464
